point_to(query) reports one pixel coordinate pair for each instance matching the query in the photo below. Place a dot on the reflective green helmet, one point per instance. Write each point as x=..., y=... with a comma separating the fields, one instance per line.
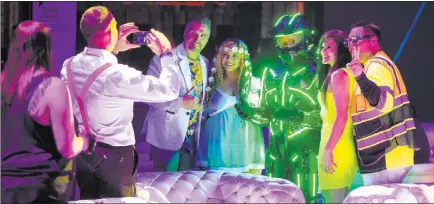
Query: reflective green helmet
x=293, y=37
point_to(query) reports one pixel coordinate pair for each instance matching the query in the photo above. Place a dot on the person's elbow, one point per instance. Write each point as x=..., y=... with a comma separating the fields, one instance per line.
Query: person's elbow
x=385, y=100
x=71, y=148
x=66, y=149
x=341, y=118
x=62, y=121
x=67, y=153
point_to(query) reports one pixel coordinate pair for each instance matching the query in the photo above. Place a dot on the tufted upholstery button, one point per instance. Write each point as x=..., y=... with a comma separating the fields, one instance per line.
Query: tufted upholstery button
x=220, y=186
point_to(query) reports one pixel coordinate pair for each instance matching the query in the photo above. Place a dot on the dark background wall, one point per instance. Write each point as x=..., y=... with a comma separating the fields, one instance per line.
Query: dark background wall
x=394, y=19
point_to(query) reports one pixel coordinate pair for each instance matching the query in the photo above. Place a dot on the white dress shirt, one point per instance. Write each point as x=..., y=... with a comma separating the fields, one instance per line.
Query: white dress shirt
x=110, y=99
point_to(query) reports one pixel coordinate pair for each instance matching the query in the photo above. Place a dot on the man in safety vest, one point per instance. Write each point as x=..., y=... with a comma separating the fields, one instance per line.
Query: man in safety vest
x=389, y=141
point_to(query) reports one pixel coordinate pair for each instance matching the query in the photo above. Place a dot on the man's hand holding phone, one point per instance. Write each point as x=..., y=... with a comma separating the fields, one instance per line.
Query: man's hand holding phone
x=158, y=42
x=155, y=40
x=123, y=44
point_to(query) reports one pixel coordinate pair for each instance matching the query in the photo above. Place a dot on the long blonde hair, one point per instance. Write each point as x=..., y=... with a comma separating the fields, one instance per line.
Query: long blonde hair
x=217, y=75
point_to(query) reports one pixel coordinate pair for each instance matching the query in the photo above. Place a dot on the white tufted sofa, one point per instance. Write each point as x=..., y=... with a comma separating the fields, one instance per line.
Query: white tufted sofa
x=392, y=193
x=208, y=187
x=112, y=200
x=418, y=187
x=218, y=186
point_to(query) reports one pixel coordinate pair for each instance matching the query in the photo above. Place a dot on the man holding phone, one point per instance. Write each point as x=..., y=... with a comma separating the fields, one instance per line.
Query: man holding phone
x=173, y=128
x=108, y=91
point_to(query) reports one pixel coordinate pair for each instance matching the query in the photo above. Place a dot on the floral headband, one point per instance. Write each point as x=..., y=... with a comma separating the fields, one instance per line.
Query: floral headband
x=239, y=50
x=234, y=50
x=224, y=48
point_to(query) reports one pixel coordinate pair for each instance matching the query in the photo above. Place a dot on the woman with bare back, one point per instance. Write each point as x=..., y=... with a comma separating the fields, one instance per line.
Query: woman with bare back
x=38, y=137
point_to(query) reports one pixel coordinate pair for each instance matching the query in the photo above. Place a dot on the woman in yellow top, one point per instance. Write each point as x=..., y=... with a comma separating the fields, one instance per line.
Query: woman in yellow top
x=337, y=160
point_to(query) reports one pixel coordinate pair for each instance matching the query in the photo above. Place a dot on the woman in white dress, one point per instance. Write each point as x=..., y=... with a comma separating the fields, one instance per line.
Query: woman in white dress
x=227, y=141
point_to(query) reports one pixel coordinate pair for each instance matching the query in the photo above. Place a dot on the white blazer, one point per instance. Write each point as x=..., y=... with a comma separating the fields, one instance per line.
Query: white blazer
x=166, y=123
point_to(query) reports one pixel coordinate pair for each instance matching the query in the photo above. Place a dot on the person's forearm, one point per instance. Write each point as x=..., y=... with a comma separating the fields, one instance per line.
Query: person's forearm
x=337, y=130
x=158, y=87
x=170, y=76
x=260, y=120
x=171, y=106
x=369, y=89
x=156, y=68
x=313, y=119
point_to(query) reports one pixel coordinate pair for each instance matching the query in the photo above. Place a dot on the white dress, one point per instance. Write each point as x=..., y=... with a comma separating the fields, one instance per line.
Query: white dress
x=229, y=142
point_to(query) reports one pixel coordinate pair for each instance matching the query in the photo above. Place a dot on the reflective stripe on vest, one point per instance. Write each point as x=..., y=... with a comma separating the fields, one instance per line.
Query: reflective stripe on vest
x=375, y=113
x=374, y=129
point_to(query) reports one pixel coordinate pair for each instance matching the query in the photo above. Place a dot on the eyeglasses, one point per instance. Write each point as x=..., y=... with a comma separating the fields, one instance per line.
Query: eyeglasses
x=355, y=40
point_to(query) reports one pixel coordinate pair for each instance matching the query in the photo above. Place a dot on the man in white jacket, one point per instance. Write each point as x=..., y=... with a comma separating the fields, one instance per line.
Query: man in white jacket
x=173, y=128
x=110, y=171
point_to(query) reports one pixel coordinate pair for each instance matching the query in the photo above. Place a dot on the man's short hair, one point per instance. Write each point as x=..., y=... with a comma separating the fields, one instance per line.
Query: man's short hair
x=200, y=18
x=95, y=19
x=370, y=26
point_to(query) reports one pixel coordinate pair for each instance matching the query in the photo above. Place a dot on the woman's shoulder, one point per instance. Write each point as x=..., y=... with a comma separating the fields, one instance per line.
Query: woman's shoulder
x=49, y=86
x=341, y=74
x=46, y=79
x=342, y=71
x=340, y=77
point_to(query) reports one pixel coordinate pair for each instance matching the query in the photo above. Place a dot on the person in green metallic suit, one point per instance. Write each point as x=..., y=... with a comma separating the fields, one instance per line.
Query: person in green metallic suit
x=281, y=96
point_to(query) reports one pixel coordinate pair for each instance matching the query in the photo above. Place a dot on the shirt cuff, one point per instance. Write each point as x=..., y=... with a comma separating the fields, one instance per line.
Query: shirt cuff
x=166, y=54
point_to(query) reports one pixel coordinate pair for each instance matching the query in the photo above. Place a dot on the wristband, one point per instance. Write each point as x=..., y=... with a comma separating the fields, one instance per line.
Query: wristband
x=361, y=76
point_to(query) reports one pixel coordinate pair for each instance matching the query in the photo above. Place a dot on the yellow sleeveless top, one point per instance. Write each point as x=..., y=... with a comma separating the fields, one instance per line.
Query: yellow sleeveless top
x=344, y=153
x=328, y=111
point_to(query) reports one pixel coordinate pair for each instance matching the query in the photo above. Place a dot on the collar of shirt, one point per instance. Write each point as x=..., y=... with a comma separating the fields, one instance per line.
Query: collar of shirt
x=380, y=53
x=180, y=51
x=101, y=53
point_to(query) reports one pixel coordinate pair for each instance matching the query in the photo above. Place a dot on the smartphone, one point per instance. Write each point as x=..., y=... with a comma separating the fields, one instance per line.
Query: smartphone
x=139, y=38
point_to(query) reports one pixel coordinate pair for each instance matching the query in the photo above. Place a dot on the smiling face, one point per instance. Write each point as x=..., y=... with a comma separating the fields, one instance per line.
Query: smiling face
x=329, y=51
x=196, y=36
x=362, y=40
x=230, y=59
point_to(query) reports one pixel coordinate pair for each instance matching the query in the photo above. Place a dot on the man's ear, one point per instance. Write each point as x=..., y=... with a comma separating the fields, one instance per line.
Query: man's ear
x=108, y=32
x=107, y=38
x=374, y=40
